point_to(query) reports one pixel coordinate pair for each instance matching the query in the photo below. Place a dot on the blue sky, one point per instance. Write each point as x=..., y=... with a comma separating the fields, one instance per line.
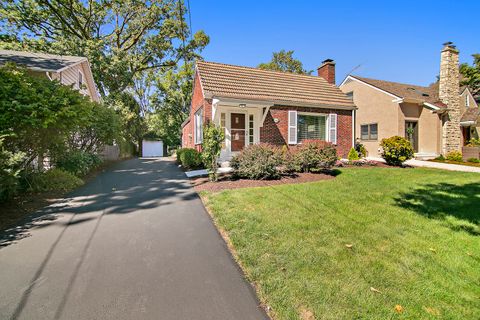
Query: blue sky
x=391, y=40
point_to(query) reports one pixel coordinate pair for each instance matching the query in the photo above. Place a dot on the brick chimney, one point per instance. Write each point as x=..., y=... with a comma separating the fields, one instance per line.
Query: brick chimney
x=327, y=71
x=449, y=94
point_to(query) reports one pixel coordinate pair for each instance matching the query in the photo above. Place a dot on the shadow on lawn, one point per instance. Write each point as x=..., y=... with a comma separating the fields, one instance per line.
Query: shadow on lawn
x=456, y=205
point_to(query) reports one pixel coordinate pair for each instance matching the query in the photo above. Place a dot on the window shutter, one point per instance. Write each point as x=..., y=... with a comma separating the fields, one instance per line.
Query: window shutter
x=332, y=128
x=292, y=127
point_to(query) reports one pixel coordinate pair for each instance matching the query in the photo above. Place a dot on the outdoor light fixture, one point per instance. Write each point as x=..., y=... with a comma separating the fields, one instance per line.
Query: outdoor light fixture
x=242, y=105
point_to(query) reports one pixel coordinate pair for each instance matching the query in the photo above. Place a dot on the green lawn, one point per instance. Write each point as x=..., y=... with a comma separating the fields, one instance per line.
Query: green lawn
x=415, y=236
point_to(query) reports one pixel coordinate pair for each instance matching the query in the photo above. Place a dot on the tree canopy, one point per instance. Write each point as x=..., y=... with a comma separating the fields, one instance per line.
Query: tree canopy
x=122, y=39
x=284, y=61
x=471, y=75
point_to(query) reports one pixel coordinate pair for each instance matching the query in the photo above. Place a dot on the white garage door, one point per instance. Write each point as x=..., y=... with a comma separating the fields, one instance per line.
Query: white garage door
x=152, y=148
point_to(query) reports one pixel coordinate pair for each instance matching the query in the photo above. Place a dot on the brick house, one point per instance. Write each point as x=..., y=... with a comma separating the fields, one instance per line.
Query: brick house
x=262, y=106
x=437, y=119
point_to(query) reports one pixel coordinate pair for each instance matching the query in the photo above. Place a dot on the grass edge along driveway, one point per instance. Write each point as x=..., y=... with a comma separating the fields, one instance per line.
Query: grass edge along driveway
x=374, y=243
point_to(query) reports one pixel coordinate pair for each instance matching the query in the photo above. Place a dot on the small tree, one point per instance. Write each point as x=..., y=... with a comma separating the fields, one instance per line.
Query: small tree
x=211, y=146
x=396, y=150
x=353, y=155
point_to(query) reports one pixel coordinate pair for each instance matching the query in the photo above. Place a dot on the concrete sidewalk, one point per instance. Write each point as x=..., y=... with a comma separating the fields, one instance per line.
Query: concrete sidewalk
x=435, y=165
x=135, y=243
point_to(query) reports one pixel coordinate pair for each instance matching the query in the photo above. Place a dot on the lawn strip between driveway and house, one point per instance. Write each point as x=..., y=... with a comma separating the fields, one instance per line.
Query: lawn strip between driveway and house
x=373, y=243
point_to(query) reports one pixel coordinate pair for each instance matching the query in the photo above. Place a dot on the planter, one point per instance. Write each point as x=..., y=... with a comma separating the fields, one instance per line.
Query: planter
x=470, y=152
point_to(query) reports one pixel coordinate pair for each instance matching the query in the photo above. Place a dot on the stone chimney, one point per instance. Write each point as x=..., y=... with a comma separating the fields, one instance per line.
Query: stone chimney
x=449, y=94
x=327, y=71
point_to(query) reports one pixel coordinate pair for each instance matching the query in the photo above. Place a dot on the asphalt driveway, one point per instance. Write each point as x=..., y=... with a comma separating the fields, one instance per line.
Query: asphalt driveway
x=135, y=243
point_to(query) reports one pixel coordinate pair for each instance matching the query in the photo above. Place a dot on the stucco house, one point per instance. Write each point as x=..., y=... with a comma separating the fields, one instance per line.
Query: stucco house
x=436, y=119
x=68, y=70
x=262, y=106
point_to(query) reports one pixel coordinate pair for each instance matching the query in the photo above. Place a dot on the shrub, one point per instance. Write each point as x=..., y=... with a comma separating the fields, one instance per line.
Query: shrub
x=396, y=150
x=212, y=145
x=440, y=158
x=314, y=156
x=54, y=180
x=361, y=150
x=258, y=162
x=353, y=155
x=78, y=162
x=473, y=160
x=190, y=158
x=474, y=143
x=454, y=156
x=10, y=167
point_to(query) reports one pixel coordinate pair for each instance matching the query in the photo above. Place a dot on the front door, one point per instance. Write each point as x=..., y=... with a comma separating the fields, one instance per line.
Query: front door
x=237, y=131
x=411, y=133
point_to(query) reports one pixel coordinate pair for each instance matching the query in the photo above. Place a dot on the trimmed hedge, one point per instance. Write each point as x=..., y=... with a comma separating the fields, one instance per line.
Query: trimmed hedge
x=257, y=162
x=189, y=158
x=314, y=156
x=396, y=150
x=78, y=163
x=54, y=180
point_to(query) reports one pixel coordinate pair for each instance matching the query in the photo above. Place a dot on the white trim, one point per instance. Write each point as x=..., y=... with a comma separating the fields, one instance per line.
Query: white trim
x=369, y=85
x=264, y=116
x=214, y=108
x=353, y=128
x=330, y=128
x=431, y=106
x=467, y=123
x=72, y=65
x=400, y=100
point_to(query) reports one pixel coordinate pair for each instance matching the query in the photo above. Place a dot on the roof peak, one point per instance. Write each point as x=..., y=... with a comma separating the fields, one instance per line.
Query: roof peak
x=394, y=82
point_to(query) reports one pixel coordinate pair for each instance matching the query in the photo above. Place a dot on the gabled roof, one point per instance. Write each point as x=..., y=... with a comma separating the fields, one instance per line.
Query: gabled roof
x=229, y=81
x=471, y=114
x=39, y=61
x=407, y=91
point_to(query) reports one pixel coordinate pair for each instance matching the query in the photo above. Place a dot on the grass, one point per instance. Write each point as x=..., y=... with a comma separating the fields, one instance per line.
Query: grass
x=414, y=236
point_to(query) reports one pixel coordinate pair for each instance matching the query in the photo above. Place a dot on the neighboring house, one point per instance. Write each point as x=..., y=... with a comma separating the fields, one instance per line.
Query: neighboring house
x=436, y=119
x=68, y=70
x=262, y=106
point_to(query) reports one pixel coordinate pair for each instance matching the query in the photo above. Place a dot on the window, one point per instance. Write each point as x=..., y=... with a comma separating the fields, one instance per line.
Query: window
x=369, y=131
x=349, y=95
x=250, y=129
x=198, y=126
x=311, y=127
x=467, y=101
x=80, y=80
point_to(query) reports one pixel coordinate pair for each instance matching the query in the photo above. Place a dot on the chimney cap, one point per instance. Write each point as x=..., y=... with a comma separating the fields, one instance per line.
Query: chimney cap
x=328, y=61
x=449, y=44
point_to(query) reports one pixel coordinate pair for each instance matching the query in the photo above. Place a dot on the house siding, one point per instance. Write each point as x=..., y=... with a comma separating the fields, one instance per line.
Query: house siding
x=198, y=102
x=277, y=133
x=69, y=77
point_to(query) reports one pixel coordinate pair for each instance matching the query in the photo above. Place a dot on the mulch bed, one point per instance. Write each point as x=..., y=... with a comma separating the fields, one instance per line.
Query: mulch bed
x=228, y=182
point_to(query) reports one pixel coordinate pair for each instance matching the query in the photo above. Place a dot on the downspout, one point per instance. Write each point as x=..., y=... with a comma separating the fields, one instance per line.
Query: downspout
x=354, y=114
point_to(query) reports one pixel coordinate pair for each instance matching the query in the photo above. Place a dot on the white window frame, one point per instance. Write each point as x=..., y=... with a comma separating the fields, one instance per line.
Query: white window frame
x=198, y=130
x=316, y=114
x=369, y=131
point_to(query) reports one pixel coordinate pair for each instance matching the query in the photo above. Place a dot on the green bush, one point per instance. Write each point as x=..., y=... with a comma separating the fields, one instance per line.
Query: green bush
x=54, y=180
x=10, y=167
x=257, y=162
x=473, y=143
x=440, y=158
x=454, y=156
x=473, y=160
x=313, y=156
x=190, y=158
x=213, y=137
x=361, y=150
x=78, y=162
x=353, y=155
x=396, y=150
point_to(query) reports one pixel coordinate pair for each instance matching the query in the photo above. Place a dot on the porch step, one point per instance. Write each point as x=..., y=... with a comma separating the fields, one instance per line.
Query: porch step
x=425, y=156
x=225, y=164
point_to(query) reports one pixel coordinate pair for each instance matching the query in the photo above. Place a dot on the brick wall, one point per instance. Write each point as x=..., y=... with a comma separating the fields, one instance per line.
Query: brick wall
x=277, y=133
x=198, y=102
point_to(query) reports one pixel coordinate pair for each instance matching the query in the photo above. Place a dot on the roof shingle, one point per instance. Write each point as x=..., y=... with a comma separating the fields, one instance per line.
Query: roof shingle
x=38, y=61
x=229, y=81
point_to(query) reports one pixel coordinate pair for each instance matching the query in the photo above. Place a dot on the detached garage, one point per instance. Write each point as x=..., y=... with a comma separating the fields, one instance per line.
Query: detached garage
x=152, y=148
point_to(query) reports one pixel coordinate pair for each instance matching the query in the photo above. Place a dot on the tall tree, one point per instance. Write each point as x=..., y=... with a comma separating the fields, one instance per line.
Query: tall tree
x=284, y=61
x=471, y=75
x=171, y=103
x=122, y=39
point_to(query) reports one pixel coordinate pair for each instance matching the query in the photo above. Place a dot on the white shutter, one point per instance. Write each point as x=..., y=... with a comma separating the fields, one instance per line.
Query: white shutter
x=332, y=128
x=292, y=127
